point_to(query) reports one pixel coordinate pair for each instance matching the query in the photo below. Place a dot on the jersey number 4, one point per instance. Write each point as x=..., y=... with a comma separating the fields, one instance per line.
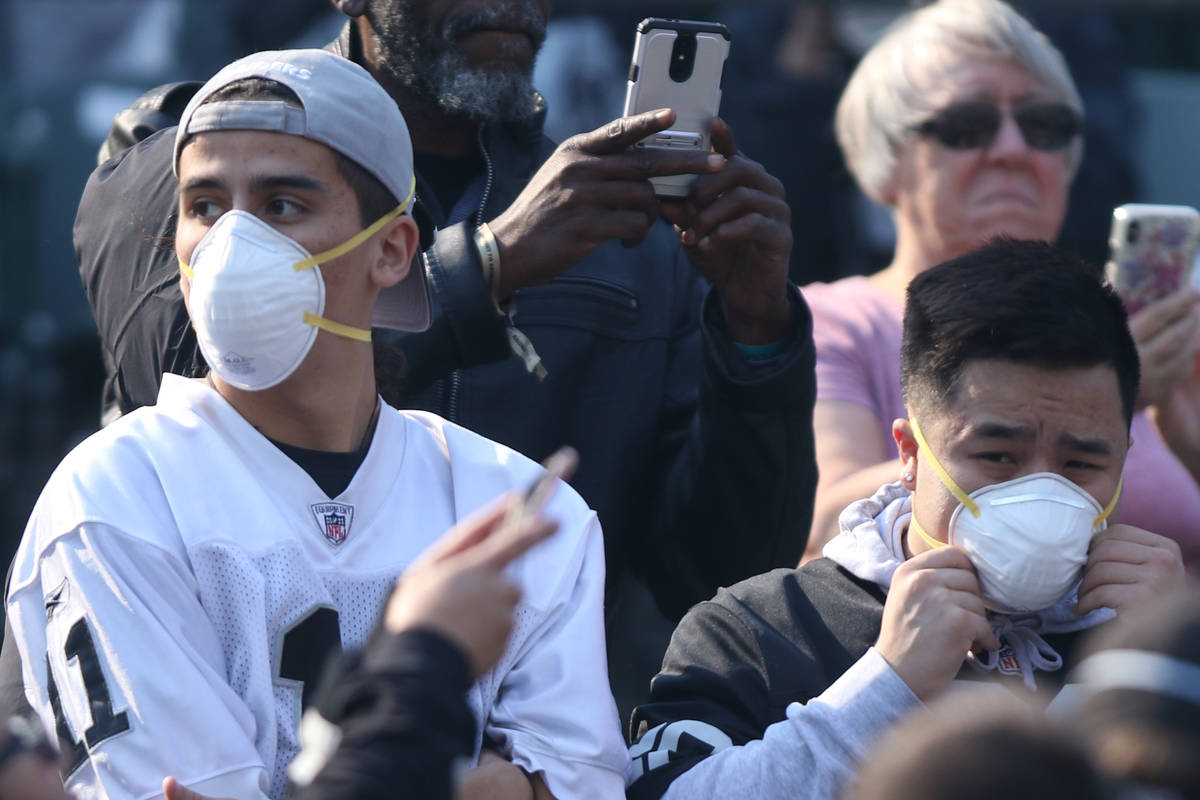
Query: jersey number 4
x=106, y=723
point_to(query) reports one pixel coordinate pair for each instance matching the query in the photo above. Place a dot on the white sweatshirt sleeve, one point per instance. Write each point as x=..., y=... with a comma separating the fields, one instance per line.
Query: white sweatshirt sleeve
x=812, y=752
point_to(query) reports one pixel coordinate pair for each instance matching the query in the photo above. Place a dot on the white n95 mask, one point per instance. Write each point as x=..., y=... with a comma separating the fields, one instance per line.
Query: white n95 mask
x=1027, y=538
x=257, y=298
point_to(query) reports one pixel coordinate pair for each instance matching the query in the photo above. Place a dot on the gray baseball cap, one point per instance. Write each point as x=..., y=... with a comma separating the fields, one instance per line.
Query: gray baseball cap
x=343, y=108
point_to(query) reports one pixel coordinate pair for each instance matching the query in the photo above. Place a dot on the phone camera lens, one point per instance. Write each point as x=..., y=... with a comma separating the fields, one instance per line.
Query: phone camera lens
x=1131, y=235
x=683, y=57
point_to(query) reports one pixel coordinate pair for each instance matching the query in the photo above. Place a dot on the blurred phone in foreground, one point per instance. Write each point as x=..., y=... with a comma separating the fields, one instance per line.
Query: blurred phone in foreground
x=559, y=465
x=1152, y=252
x=677, y=64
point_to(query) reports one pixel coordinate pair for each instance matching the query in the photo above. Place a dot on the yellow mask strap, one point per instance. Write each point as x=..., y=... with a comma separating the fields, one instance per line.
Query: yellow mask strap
x=348, y=331
x=358, y=238
x=943, y=476
x=359, y=334
x=1112, y=504
x=913, y=525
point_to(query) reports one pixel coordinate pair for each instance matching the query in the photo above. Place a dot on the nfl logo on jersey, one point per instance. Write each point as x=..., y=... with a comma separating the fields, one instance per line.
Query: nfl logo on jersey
x=1009, y=663
x=333, y=520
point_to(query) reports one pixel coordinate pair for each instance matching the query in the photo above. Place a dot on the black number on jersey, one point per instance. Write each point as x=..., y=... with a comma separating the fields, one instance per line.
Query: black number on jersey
x=106, y=723
x=306, y=647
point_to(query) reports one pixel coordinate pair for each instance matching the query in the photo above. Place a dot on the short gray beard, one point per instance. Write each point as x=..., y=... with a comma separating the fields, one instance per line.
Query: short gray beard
x=410, y=53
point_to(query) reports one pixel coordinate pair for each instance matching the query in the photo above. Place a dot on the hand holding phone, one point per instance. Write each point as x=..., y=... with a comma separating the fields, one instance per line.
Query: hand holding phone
x=678, y=64
x=459, y=587
x=1153, y=252
x=559, y=465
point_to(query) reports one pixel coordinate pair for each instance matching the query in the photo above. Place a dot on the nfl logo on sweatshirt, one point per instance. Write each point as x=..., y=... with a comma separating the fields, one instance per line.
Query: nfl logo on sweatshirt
x=334, y=520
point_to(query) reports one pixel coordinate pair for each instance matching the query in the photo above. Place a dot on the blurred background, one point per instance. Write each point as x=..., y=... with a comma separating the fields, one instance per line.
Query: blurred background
x=69, y=65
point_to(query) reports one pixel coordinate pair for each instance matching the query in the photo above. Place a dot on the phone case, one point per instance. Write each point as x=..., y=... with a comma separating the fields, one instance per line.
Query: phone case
x=1153, y=251
x=695, y=94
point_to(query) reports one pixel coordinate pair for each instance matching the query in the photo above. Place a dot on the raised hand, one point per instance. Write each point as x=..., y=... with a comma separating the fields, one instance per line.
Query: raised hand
x=1165, y=333
x=592, y=189
x=1128, y=567
x=932, y=618
x=735, y=226
x=458, y=586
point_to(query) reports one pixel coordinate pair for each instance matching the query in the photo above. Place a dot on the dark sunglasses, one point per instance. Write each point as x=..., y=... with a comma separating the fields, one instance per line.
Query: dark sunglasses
x=966, y=126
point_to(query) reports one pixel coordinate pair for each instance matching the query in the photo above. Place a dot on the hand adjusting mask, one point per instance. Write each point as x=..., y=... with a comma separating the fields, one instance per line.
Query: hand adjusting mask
x=257, y=298
x=1027, y=538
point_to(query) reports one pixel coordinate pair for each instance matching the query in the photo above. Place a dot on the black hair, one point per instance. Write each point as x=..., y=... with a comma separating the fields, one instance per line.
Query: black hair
x=374, y=199
x=1018, y=301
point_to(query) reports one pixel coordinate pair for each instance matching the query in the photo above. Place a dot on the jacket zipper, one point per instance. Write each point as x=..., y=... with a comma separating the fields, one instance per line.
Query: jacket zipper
x=451, y=404
x=594, y=287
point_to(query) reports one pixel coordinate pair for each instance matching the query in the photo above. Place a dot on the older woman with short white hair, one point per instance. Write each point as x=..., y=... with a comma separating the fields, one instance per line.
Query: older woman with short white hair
x=963, y=121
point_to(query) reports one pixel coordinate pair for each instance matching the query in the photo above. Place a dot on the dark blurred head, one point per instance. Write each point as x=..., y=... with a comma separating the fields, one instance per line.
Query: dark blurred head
x=984, y=748
x=28, y=763
x=473, y=59
x=1024, y=303
x=1138, y=711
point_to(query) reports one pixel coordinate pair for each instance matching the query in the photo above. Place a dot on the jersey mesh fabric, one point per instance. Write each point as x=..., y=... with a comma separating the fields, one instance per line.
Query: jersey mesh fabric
x=254, y=602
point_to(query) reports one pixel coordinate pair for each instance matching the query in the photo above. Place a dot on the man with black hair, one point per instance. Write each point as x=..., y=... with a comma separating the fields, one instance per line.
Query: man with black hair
x=982, y=562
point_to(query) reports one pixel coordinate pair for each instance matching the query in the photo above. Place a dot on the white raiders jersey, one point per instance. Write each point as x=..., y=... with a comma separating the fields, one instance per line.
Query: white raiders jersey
x=181, y=582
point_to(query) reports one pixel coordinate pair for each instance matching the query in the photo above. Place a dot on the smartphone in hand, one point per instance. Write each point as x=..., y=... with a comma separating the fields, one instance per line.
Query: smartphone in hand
x=560, y=465
x=1152, y=251
x=678, y=64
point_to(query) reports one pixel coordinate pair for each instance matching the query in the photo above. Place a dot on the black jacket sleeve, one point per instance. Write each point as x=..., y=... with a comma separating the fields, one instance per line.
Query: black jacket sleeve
x=712, y=693
x=124, y=243
x=403, y=716
x=12, y=683
x=740, y=464
x=467, y=328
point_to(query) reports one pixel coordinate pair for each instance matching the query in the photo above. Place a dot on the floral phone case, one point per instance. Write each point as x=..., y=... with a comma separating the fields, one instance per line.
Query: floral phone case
x=1153, y=251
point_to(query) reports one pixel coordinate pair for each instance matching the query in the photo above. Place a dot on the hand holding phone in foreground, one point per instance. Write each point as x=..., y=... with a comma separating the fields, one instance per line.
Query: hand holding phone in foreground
x=458, y=586
x=1165, y=333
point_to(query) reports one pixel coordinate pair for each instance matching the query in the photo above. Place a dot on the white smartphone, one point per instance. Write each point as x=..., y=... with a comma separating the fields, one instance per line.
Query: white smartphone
x=1152, y=251
x=678, y=64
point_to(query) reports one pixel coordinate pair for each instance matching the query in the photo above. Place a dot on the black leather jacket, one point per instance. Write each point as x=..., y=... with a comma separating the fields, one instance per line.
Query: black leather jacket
x=699, y=464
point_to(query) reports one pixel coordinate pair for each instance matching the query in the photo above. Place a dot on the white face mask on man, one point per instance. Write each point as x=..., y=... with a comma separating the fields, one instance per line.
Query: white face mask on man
x=257, y=298
x=1027, y=538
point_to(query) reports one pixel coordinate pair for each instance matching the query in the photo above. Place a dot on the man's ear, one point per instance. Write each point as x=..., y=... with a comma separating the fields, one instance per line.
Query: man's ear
x=399, y=245
x=351, y=8
x=906, y=444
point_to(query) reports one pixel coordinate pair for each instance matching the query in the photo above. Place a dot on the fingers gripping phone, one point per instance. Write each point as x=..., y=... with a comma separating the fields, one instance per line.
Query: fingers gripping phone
x=1152, y=251
x=677, y=64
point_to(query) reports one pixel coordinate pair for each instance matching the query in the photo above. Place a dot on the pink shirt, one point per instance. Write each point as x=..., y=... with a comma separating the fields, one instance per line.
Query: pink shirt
x=857, y=331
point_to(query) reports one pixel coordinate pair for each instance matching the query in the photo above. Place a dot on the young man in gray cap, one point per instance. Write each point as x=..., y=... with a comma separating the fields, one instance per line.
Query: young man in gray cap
x=186, y=569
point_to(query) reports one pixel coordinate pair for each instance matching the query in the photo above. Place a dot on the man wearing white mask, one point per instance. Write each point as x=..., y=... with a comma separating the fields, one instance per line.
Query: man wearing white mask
x=188, y=569
x=983, y=562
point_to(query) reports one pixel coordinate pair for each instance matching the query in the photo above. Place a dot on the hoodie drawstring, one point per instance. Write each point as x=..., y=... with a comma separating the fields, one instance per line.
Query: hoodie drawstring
x=1029, y=648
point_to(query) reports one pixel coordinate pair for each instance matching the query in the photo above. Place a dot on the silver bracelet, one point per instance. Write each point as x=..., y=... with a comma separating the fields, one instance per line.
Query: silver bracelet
x=489, y=255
